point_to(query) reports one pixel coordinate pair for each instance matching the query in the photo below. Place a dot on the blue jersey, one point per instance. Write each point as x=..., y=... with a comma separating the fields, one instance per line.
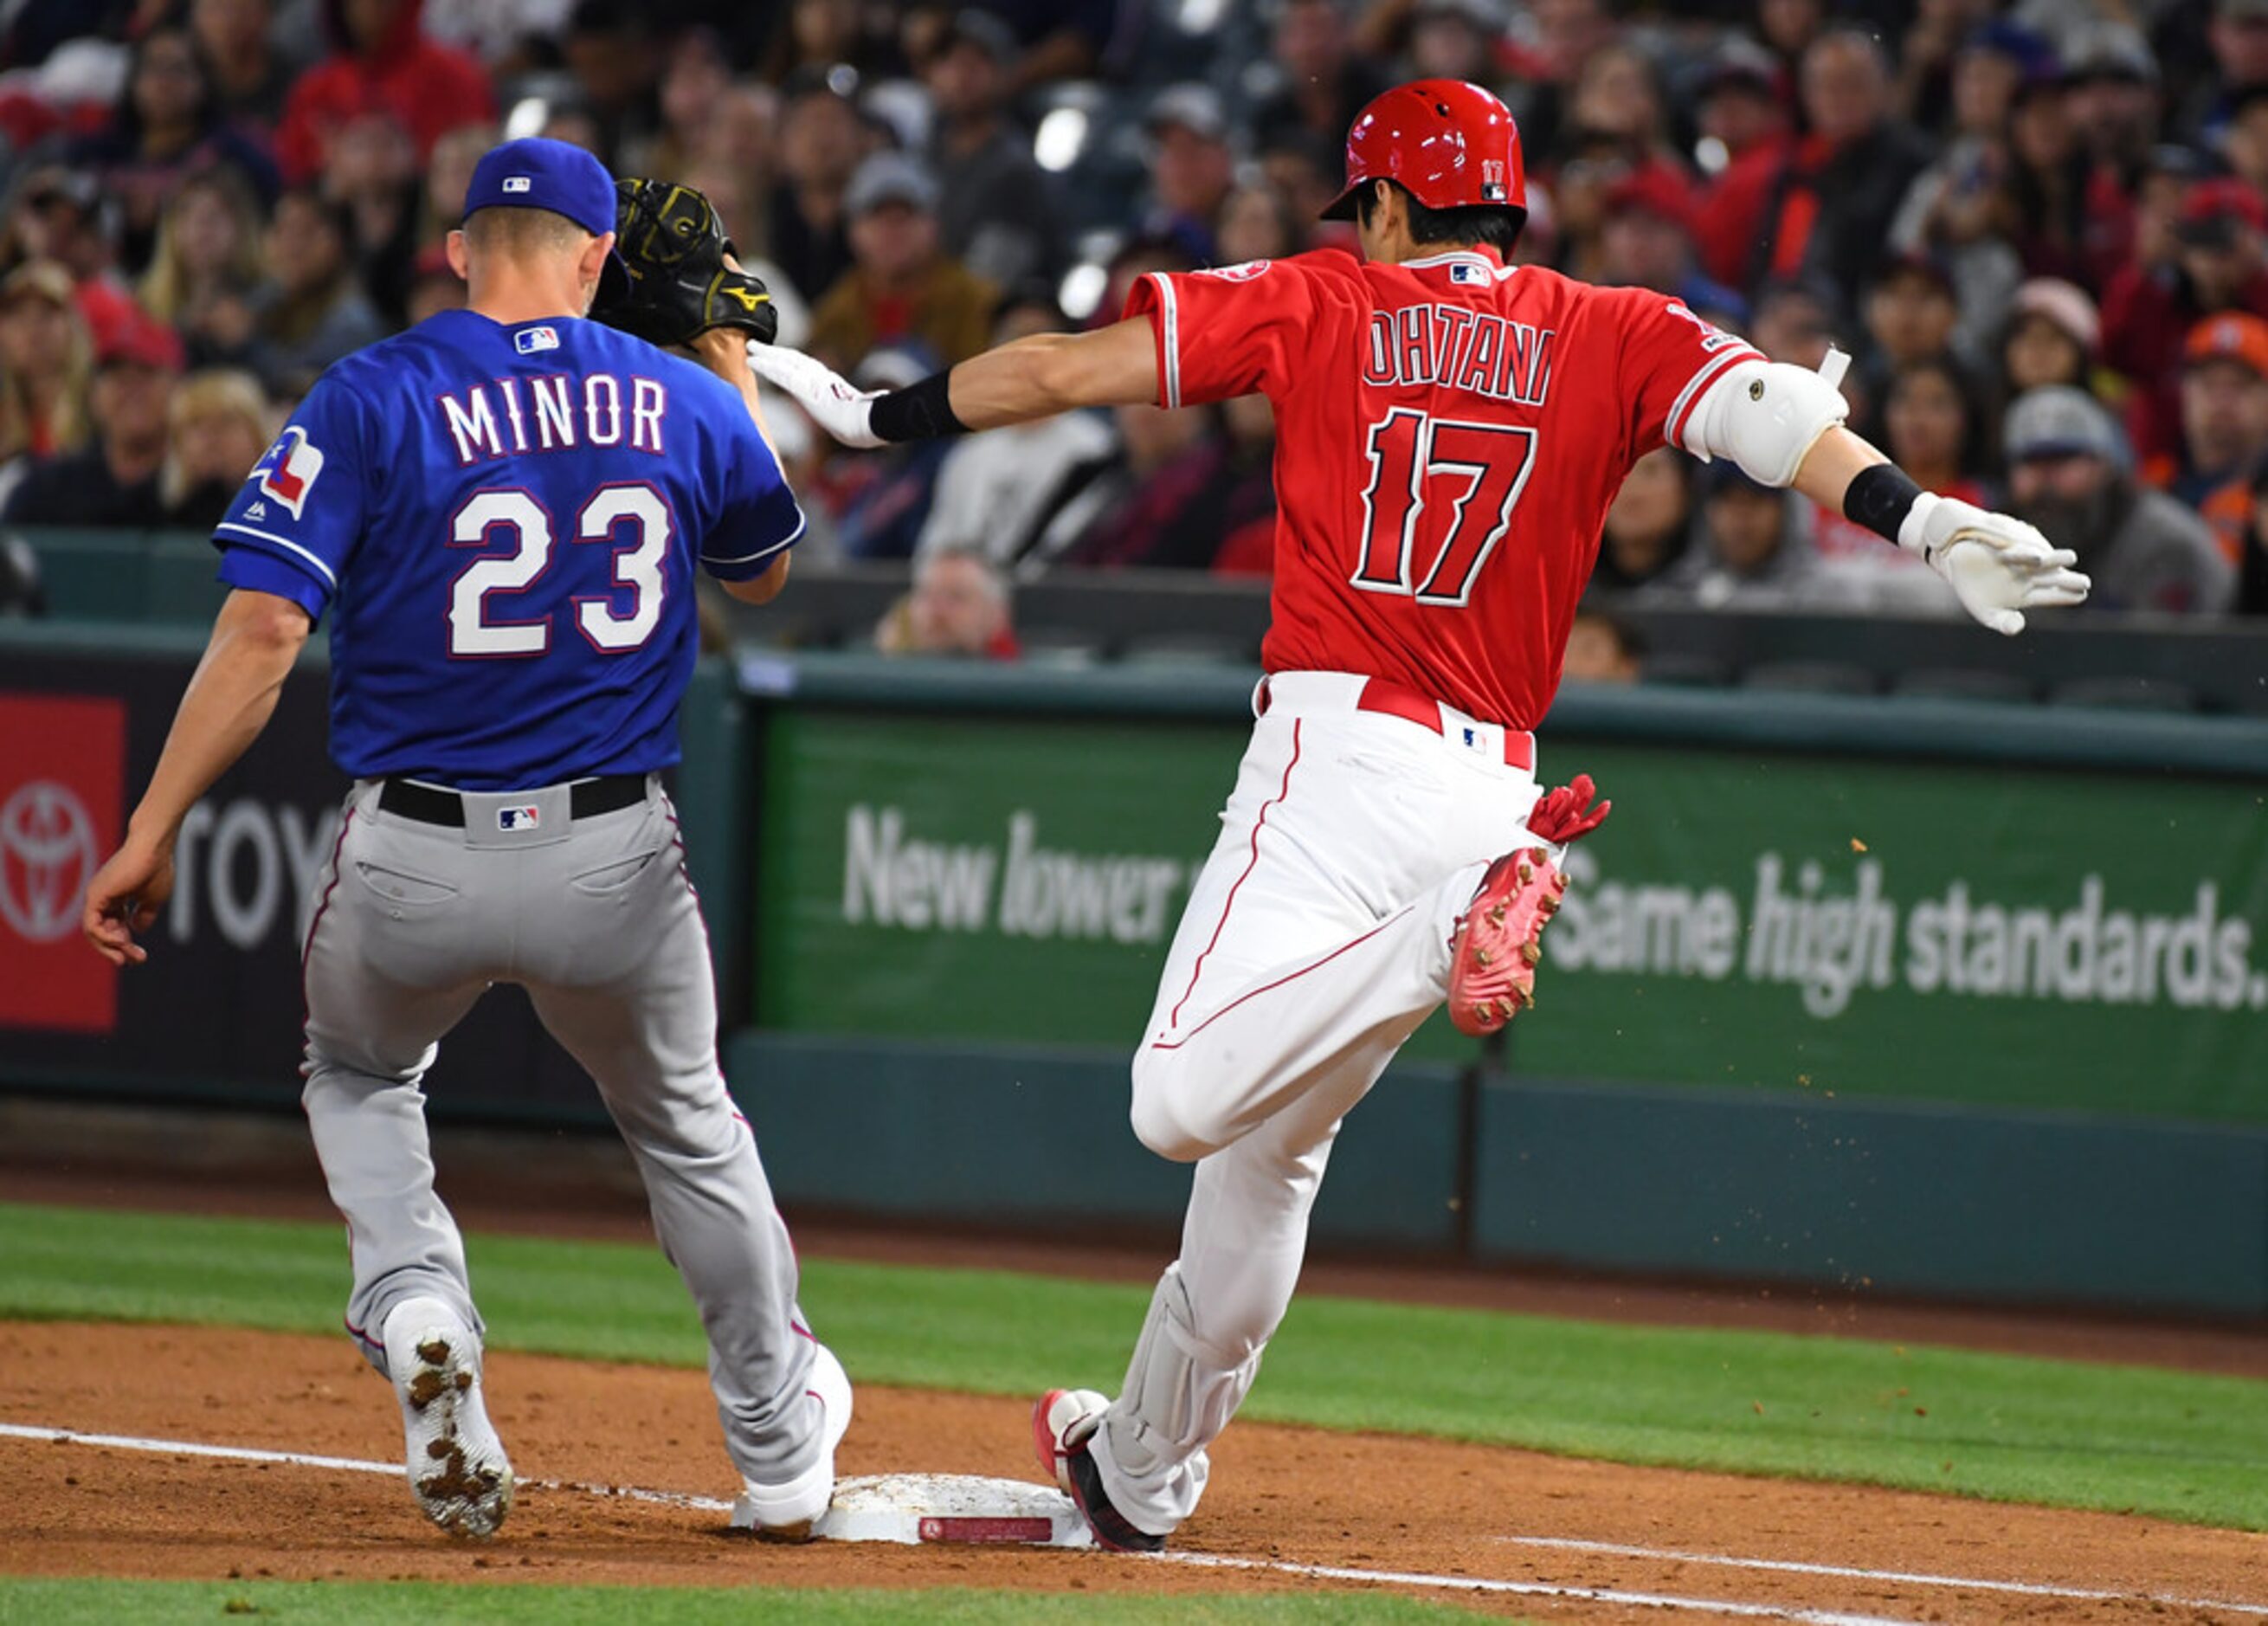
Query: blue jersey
x=509, y=518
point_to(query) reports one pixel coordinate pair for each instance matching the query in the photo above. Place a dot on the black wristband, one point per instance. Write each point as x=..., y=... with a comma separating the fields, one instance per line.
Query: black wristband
x=1879, y=498
x=921, y=412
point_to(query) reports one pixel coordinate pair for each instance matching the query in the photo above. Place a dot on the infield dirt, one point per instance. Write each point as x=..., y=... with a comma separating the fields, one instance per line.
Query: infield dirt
x=1284, y=1494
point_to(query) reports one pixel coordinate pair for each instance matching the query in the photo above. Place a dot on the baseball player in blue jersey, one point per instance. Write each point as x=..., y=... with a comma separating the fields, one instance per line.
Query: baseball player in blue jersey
x=502, y=509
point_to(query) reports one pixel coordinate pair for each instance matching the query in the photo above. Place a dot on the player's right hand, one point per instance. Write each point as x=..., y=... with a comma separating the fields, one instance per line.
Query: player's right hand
x=1998, y=565
x=836, y=404
x=124, y=899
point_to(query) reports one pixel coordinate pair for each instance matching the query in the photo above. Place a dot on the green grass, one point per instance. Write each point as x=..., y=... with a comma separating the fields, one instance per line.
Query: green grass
x=2175, y=1444
x=372, y=1603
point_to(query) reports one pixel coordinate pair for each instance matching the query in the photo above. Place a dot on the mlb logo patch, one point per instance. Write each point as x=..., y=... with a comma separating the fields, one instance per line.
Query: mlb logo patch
x=517, y=183
x=533, y=341
x=1461, y=270
x=519, y=818
x=288, y=471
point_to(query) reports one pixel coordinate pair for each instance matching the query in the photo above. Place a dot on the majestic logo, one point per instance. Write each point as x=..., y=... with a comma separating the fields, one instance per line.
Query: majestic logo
x=530, y=340
x=517, y=183
x=48, y=854
x=258, y=511
x=519, y=818
x=289, y=470
x=1245, y=272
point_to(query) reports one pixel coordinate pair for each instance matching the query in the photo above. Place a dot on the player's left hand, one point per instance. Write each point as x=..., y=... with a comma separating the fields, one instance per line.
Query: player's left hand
x=1998, y=565
x=1561, y=815
x=124, y=899
x=836, y=404
x=682, y=279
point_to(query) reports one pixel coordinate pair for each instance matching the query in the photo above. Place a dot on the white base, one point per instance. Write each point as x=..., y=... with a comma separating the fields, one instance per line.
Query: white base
x=914, y=1508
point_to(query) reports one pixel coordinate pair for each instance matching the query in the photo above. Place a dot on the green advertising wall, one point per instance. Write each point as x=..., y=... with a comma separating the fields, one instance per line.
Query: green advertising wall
x=1996, y=937
x=1941, y=998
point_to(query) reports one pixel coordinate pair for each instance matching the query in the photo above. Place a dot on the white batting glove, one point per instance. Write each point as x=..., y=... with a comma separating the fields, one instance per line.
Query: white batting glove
x=834, y=403
x=1998, y=565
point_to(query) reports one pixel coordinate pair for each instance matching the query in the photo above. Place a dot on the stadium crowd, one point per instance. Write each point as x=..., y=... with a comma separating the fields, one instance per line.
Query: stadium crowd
x=2038, y=227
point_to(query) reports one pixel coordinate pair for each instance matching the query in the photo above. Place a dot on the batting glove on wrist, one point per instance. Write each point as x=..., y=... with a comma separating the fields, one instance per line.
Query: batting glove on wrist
x=1998, y=565
x=836, y=404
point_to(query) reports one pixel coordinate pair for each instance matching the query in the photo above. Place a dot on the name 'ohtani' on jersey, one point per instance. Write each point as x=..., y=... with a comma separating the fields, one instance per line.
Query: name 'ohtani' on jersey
x=1454, y=347
x=558, y=413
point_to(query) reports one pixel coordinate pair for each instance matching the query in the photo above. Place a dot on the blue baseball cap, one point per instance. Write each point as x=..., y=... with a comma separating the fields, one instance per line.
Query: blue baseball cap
x=538, y=173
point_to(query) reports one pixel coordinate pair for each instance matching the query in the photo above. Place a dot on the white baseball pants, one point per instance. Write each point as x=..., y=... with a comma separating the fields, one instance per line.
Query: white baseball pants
x=1315, y=940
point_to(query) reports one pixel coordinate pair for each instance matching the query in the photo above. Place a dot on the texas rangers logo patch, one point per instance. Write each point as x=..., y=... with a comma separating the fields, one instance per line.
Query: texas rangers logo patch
x=519, y=818
x=288, y=471
x=530, y=341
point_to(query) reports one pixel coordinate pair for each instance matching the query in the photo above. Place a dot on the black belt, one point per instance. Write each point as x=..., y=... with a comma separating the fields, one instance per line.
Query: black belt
x=429, y=804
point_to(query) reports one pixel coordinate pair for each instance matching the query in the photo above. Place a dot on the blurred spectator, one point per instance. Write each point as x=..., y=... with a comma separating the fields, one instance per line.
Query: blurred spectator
x=1324, y=84
x=2224, y=423
x=2110, y=94
x=250, y=77
x=1910, y=313
x=2039, y=201
x=880, y=498
x=1135, y=259
x=2253, y=571
x=216, y=429
x=1751, y=550
x=46, y=365
x=449, y=176
x=997, y=207
x=2243, y=142
x=1602, y=649
x=1617, y=93
x=821, y=141
x=612, y=51
x=1642, y=235
x=1455, y=39
x=1308, y=172
x=1647, y=522
x=168, y=124
x=373, y=178
x=1930, y=429
x=1241, y=512
x=310, y=313
x=996, y=490
x=1191, y=166
x=736, y=164
x=1256, y=223
x=960, y=606
x=433, y=286
x=1796, y=319
x=2069, y=475
x=2238, y=35
x=113, y=481
x=1148, y=509
x=2148, y=313
x=2051, y=336
x=1821, y=206
x=59, y=214
x=381, y=62
x=500, y=32
x=1740, y=106
x=901, y=284
x=695, y=79
x=1927, y=50
x=206, y=266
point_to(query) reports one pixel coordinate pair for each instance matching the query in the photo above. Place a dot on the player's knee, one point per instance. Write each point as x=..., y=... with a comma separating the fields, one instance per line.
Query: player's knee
x=1159, y=1121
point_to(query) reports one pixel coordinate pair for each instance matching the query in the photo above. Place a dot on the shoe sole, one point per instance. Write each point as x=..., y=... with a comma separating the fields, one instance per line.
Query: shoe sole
x=1493, y=958
x=462, y=1480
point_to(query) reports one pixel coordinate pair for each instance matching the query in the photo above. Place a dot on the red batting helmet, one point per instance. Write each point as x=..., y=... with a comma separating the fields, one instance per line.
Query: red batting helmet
x=1451, y=144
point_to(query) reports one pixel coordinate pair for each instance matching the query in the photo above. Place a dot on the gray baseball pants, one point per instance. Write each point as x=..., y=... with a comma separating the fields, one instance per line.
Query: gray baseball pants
x=599, y=922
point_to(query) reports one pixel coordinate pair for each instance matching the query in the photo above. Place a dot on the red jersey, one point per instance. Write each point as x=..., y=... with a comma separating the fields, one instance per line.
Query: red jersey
x=1449, y=434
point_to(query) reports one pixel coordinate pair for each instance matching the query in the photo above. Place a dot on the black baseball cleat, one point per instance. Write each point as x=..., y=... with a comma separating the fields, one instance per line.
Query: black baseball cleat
x=1062, y=1424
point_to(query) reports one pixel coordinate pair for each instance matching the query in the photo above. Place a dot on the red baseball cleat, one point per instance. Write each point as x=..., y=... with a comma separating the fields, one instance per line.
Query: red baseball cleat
x=1493, y=957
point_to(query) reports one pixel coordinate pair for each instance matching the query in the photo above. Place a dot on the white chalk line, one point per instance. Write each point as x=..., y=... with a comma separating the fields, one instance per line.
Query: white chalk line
x=1909, y=1578
x=1812, y=1618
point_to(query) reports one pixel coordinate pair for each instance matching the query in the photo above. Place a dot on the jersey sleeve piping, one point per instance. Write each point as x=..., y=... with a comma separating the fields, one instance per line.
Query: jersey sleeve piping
x=716, y=566
x=1169, y=340
x=1681, y=411
x=274, y=540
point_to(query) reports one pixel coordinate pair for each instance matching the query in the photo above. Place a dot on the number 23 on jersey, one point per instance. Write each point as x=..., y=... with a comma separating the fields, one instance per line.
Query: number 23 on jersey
x=631, y=516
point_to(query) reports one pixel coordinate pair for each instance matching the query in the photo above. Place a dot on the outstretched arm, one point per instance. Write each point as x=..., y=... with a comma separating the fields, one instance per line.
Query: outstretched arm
x=1029, y=378
x=1783, y=425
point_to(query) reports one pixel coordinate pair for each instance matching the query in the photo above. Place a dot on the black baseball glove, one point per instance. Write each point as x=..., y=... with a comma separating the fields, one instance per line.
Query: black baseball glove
x=676, y=283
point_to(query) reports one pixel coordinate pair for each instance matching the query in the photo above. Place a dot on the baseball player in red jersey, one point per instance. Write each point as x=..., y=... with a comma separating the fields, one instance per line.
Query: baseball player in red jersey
x=1451, y=429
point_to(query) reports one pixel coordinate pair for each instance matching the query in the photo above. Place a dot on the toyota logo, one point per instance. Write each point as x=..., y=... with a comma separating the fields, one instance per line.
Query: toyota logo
x=48, y=855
